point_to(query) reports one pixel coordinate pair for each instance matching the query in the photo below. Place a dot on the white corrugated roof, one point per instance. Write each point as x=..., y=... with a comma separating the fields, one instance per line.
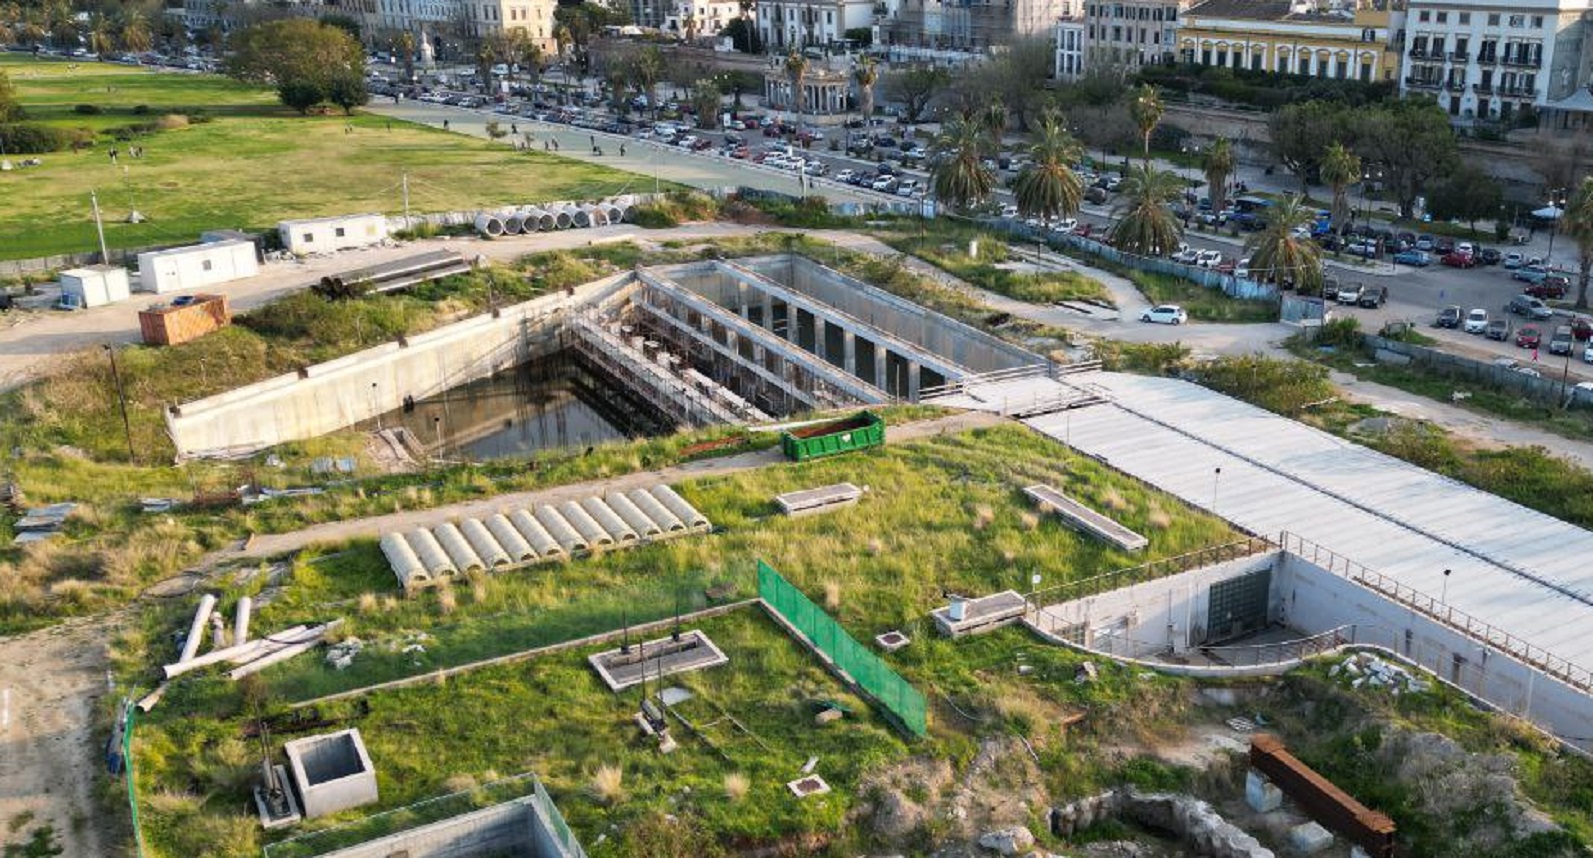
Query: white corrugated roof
x=1521, y=571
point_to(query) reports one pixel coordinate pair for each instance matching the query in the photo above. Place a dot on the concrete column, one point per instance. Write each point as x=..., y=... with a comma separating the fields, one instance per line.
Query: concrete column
x=821, y=332
x=768, y=311
x=741, y=301
x=790, y=323
x=913, y=372
x=849, y=352
x=880, y=381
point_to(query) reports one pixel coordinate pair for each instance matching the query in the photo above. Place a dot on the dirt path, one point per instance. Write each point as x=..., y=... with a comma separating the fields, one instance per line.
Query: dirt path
x=51, y=682
x=339, y=531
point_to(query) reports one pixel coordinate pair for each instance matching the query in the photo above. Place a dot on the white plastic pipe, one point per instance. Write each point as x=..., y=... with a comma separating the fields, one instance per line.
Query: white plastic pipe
x=240, y=623
x=207, y=603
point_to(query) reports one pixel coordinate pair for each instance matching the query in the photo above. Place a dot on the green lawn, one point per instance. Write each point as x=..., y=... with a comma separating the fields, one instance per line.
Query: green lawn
x=250, y=165
x=946, y=247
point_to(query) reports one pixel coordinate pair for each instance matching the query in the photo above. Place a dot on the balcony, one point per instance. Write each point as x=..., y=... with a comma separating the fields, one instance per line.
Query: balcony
x=1518, y=92
x=1420, y=53
x=1422, y=83
x=1521, y=62
x=1459, y=56
x=1482, y=88
x=1455, y=85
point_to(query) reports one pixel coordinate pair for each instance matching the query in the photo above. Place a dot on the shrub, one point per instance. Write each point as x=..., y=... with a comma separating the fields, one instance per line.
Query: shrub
x=28, y=138
x=171, y=121
x=141, y=110
x=88, y=109
x=1340, y=333
x=608, y=783
x=1286, y=387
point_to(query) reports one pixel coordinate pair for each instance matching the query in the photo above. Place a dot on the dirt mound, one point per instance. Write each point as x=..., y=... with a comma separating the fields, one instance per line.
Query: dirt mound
x=923, y=799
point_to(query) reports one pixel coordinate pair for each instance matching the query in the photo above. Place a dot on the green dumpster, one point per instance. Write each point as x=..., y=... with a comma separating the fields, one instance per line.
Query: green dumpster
x=860, y=431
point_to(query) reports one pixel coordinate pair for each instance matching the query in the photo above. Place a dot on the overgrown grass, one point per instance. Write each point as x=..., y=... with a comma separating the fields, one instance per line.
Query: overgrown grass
x=255, y=164
x=995, y=268
x=1202, y=304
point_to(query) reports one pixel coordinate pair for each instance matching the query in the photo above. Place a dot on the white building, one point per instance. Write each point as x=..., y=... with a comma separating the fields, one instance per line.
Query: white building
x=698, y=19
x=787, y=24
x=1068, y=40
x=1278, y=36
x=467, y=19
x=198, y=266
x=1123, y=36
x=328, y=234
x=1493, y=60
x=95, y=285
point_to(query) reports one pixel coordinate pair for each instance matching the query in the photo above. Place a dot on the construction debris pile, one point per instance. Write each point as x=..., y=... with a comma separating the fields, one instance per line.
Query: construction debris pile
x=41, y=523
x=1367, y=670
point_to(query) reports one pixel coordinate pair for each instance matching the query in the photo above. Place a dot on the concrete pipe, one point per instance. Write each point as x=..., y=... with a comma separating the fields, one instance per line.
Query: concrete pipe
x=513, y=224
x=595, y=215
x=196, y=632
x=240, y=622
x=633, y=515
x=614, y=213
x=484, y=544
x=562, y=219
x=431, y=553
x=585, y=524
x=544, y=220
x=489, y=225
x=578, y=218
x=465, y=558
x=609, y=520
x=682, y=510
x=535, y=534
x=510, y=539
x=401, y=558
x=566, y=534
x=656, y=511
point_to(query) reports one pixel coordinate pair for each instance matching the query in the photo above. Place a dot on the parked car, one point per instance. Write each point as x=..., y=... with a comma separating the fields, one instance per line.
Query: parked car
x=1425, y=243
x=1186, y=255
x=1513, y=260
x=1449, y=317
x=1587, y=354
x=1364, y=249
x=1498, y=329
x=1458, y=259
x=1166, y=314
x=1349, y=293
x=1553, y=286
x=1528, y=337
x=1489, y=256
x=1373, y=297
x=1526, y=305
x=1065, y=225
x=1417, y=258
x=1095, y=195
x=1208, y=258
x=1561, y=341
x=1476, y=321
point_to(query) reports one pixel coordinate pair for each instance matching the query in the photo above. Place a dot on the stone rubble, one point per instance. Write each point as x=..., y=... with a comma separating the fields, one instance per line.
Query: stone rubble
x=1366, y=670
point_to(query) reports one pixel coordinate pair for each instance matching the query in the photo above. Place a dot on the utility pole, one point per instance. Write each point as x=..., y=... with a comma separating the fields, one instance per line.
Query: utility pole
x=121, y=395
x=406, y=200
x=99, y=227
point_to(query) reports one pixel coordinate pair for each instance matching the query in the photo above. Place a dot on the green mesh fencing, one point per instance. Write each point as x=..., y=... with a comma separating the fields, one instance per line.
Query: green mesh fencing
x=901, y=700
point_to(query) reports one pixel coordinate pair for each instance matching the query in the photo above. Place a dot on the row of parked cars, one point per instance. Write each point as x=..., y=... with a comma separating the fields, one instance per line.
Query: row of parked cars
x=1561, y=339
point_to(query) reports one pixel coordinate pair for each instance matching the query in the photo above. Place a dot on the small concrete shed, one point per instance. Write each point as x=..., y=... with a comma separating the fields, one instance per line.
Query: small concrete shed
x=196, y=266
x=327, y=234
x=332, y=772
x=95, y=285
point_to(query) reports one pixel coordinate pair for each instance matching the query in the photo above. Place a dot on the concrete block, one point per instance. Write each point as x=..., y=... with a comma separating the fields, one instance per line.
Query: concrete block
x=1261, y=794
x=827, y=715
x=1310, y=838
x=332, y=772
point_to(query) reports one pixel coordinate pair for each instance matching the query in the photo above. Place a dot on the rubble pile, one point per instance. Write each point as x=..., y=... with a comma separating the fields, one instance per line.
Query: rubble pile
x=1364, y=670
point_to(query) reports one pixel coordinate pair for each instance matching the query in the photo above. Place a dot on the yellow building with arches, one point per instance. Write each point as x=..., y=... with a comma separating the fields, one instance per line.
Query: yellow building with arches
x=1276, y=36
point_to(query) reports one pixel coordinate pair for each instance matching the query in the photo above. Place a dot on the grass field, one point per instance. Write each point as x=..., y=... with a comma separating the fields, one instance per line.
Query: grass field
x=946, y=247
x=252, y=164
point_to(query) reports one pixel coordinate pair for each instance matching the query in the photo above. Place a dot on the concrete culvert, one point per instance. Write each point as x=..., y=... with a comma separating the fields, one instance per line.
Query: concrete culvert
x=609, y=520
x=543, y=219
x=513, y=225
x=682, y=510
x=633, y=516
x=459, y=551
x=511, y=540
x=403, y=561
x=489, y=225
x=568, y=538
x=595, y=215
x=562, y=219
x=426, y=547
x=656, y=511
x=614, y=213
x=585, y=524
x=483, y=543
x=537, y=536
x=578, y=217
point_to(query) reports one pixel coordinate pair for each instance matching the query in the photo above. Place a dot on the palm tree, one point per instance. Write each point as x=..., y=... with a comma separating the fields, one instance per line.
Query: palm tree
x=405, y=43
x=101, y=41
x=866, y=75
x=562, y=38
x=1146, y=226
x=960, y=177
x=1218, y=165
x=1340, y=169
x=486, y=58
x=1577, y=222
x=1279, y=254
x=796, y=69
x=993, y=118
x=1047, y=187
x=136, y=36
x=1146, y=109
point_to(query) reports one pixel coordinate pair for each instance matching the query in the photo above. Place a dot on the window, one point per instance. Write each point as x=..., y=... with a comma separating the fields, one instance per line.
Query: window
x=309, y=237
x=1493, y=19
x=338, y=232
x=1423, y=17
x=1368, y=35
x=1465, y=19
x=1518, y=20
x=204, y=265
x=1537, y=22
x=1443, y=17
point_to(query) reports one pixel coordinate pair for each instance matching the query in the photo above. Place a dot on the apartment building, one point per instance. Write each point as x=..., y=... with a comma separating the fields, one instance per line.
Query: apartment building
x=1126, y=35
x=811, y=23
x=1285, y=37
x=1068, y=41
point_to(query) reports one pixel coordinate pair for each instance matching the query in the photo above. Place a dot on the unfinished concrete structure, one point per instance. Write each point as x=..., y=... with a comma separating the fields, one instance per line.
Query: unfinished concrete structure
x=331, y=772
x=528, y=827
x=634, y=664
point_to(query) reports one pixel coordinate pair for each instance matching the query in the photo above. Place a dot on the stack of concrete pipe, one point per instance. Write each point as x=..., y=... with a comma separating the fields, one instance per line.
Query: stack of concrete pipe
x=431, y=556
x=544, y=222
x=489, y=225
x=513, y=223
x=547, y=217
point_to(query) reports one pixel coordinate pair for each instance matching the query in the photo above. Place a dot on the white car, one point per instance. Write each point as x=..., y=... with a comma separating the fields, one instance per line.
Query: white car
x=1513, y=259
x=1466, y=248
x=1185, y=254
x=1208, y=258
x=1587, y=356
x=1476, y=321
x=916, y=153
x=1166, y=314
x=1009, y=211
x=1242, y=270
x=845, y=175
x=1065, y=225
x=883, y=183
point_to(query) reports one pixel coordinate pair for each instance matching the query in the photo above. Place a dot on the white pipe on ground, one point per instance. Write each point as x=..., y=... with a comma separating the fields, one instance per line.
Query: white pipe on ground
x=237, y=653
x=562, y=219
x=285, y=653
x=240, y=623
x=207, y=603
x=595, y=216
x=578, y=217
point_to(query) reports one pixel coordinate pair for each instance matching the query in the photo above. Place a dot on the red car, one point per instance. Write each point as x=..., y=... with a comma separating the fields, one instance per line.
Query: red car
x=1456, y=259
x=1552, y=286
x=1528, y=337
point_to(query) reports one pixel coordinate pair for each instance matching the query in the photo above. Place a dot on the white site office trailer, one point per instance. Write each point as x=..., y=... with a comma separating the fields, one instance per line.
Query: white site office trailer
x=198, y=266
x=327, y=234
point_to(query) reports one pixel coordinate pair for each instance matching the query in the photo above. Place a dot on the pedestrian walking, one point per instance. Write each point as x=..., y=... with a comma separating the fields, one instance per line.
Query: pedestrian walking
x=445, y=125
x=545, y=146
x=555, y=144
x=1534, y=354
x=622, y=150
x=593, y=138
x=113, y=156
x=513, y=128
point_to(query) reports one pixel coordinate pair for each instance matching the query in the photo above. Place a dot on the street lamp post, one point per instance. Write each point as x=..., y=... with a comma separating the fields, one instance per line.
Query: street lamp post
x=1444, y=597
x=1556, y=202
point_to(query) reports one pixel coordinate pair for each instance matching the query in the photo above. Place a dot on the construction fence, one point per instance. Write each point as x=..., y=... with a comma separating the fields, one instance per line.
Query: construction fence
x=904, y=703
x=1549, y=380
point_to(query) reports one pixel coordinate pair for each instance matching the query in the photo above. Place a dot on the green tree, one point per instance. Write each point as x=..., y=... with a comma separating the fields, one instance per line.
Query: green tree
x=308, y=62
x=486, y=58
x=1468, y=194
x=1146, y=226
x=136, y=37
x=1147, y=109
x=101, y=37
x=796, y=71
x=960, y=177
x=993, y=118
x=10, y=105
x=866, y=75
x=405, y=46
x=705, y=100
x=582, y=21
x=1577, y=222
x=1340, y=169
x=1218, y=165
x=1300, y=133
x=1412, y=141
x=647, y=67
x=1047, y=187
x=915, y=88
x=1279, y=254
x=743, y=35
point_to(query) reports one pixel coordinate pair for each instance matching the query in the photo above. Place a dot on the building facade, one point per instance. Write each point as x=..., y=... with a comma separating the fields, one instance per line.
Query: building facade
x=811, y=23
x=1496, y=60
x=1125, y=35
x=1068, y=40
x=697, y=19
x=971, y=25
x=1272, y=36
x=447, y=24
x=826, y=90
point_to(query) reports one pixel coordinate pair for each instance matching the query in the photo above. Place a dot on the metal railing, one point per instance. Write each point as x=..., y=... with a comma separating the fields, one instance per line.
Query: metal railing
x=1424, y=603
x=1149, y=571
x=1274, y=653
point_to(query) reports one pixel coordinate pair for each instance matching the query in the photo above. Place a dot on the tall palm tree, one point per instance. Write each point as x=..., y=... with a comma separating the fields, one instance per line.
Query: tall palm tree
x=136, y=35
x=1146, y=108
x=1577, y=222
x=1047, y=187
x=1218, y=165
x=405, y=43
x=1279, y=254
x=866, y=74
x=993, y=118
x=562, y=39
x=960, y=177
x=101, y=39
x=1146, y=226
x=1340, y=169
x=796, y=70
x=486, y=58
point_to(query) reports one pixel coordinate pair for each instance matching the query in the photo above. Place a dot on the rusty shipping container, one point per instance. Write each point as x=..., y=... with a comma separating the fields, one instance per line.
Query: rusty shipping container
x=1321, y=798
x=168, y=325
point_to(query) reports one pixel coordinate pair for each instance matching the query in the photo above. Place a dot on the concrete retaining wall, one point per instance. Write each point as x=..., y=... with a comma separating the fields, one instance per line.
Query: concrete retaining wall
x=511, y=828
x=1313, y=599
x=339, y=393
